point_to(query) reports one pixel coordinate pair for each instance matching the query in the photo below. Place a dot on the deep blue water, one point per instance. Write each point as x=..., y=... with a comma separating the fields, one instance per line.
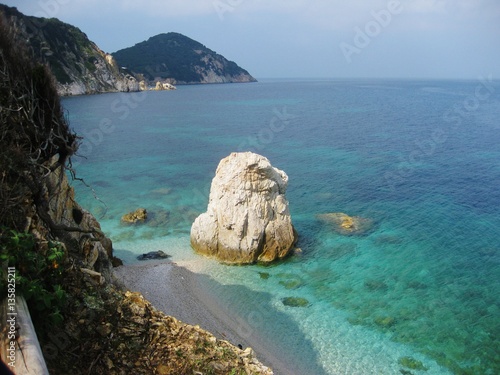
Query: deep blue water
x=419, y=158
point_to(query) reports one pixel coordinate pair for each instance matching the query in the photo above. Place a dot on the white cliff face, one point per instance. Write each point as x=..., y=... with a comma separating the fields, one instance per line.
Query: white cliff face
x=247, y=218
x=73, y=88
x=104, y=77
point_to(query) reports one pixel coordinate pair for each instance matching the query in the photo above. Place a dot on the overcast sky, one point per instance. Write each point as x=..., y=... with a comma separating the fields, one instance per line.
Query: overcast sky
x=305, y=38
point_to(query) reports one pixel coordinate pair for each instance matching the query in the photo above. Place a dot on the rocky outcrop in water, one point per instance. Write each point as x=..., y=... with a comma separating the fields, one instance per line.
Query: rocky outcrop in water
x=160, y=86
x=152, y=255
x=248, y=217
x=138, y=216
x=345, y=224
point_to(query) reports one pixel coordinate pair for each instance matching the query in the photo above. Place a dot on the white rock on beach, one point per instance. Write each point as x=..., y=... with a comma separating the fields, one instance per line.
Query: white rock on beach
x=248, y=217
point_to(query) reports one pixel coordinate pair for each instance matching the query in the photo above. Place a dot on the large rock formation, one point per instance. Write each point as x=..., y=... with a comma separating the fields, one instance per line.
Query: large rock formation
x=247, y=218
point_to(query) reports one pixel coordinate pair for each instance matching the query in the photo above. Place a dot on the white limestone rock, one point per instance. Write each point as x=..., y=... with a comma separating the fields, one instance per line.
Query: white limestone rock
x=248, y=217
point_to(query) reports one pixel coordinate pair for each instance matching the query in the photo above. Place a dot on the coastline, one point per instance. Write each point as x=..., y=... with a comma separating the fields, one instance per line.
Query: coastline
x=179, y=292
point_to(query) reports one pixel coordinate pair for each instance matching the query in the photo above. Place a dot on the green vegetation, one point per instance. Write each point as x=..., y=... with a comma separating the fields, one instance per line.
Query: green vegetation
x=59, y=71
x=176, y=56
x=53, y=41
x=72, y=57
x=32, y=131
x=67, y=51
x=38, y=274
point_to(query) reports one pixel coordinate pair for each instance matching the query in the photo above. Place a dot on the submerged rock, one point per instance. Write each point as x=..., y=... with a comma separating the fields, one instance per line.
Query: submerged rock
x=247, y=218
x=139, y=215
x=291, y=284
x=388, y=239
x=290, y=281
x=417, y=285
x=159, y=254
x=295, y=302
x=341, y=250
x=264, y=275
x=385, y=321
x=412, y=363
x=345, y=224
x=375, y=285
x=159, y=218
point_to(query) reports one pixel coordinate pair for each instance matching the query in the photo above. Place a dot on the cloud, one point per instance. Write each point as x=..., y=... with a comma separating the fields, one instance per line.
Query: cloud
x=167, y=9
x=268, y=33
x=344, y=16
x=98, y=8
x=453, y=7
x=322, y=14
x=326, y=14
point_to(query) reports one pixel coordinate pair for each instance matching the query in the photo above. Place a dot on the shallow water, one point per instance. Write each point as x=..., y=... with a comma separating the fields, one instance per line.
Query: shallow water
x=421, y=159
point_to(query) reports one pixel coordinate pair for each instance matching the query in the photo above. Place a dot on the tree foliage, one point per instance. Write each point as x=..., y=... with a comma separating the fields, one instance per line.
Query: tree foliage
x=173, y=55
x=38, y=275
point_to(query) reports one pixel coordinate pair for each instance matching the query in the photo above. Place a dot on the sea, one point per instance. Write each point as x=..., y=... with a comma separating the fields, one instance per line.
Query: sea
x=417, y=293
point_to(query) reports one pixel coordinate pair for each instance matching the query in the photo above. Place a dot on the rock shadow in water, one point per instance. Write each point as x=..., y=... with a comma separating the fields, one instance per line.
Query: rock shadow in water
x=271, y=333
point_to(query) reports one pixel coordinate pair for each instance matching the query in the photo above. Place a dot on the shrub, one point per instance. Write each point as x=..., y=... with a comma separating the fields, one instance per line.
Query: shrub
x=38, y=273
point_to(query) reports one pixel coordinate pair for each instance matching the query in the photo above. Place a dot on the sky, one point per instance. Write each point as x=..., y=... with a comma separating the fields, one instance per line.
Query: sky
x=411, y=39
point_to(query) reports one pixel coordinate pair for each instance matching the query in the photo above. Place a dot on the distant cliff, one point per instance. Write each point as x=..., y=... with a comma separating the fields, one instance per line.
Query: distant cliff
x=180, y=60
x=79, y=65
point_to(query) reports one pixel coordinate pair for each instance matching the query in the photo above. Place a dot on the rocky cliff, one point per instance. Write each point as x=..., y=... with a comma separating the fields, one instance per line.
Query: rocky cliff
x=180, y=60
x=247, y=218
x=78, y=64
x=85, y=323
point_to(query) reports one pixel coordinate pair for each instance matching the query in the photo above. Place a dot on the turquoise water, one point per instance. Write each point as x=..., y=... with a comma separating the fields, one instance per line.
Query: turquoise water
x=419, y=158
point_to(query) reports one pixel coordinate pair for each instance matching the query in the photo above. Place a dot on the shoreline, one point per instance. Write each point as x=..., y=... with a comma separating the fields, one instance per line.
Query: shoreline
x=179, y=292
